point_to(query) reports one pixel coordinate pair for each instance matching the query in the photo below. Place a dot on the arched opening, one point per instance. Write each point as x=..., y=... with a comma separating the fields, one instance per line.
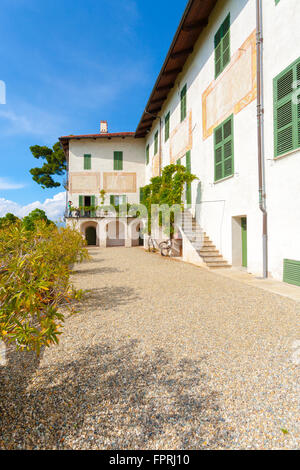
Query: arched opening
x=91, y=236
x=115, y=234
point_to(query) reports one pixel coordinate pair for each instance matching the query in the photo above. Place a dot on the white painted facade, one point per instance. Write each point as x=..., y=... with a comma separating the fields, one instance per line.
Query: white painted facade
x=220, y=205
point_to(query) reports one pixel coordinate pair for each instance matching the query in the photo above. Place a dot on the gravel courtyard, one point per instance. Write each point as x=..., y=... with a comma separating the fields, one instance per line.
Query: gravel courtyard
x=161, y=355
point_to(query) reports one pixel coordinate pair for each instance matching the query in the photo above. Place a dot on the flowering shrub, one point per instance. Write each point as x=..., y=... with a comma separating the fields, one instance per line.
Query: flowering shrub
x=35, y=281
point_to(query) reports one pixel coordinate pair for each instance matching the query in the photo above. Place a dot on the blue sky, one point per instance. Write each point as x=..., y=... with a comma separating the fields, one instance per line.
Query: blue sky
x=67, y=64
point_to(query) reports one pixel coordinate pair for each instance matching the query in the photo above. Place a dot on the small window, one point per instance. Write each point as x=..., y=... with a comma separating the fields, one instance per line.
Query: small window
x=118, y=161
x=223, y=143
x=287, y=110
x=118, y=200
x=87, y=165
x=167, y=127
x=222, y=46
x=183, y=103
x=156, y=143
x=147, y=154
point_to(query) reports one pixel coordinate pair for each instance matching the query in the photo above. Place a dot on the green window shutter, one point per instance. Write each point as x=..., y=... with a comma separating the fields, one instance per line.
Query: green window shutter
x=287, y=110
x=223, y=143
x=183, y=103
x=93, y=203
x=118, y=161
x=178, y=161
x=156, y=143
x=81, y=204
x=188, y=162
x=291, y=272
x=141, y=195
x=147, y=154
x=167, y=127
x=277, y=1
x=112, y=200
x=222, y=46
x=87, y=165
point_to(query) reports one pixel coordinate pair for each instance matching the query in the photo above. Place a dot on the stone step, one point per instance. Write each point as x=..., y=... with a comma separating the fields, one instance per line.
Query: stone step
x=218, y=264
x=209, y=249
x=213, y=259
x=206, y=253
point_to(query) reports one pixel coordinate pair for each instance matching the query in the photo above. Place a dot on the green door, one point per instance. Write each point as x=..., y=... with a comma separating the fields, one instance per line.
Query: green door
x=188, y=192
x=244, y=242
x=90, y=235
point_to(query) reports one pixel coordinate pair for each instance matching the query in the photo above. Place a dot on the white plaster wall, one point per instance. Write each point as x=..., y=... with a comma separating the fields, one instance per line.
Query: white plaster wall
x=281, y=49
x=238, y=195
x=102, y=151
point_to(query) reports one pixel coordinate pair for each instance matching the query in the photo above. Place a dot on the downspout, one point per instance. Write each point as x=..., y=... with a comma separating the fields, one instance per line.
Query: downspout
x=260, y=134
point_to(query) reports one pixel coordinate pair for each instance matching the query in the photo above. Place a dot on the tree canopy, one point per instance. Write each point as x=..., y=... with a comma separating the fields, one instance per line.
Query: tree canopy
x=55, y=165
x=37, y=214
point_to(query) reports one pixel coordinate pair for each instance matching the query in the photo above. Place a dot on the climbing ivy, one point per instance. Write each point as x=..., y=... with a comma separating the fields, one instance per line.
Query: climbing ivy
x=167, y=190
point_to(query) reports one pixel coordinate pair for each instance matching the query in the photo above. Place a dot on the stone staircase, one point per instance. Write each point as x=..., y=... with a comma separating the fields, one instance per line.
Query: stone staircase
x=203, y=245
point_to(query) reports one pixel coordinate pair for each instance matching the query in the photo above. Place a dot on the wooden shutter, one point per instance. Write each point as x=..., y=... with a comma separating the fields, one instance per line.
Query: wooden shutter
x=112, y=200
x=118, y=161
x=223, y=142
x=93, y=203
x=286, y=110
x=167, y=127
x=141, y=195
x=222, y=46
x=81, y=204
x=291, y=272
x=147, y=154
x=156, y=143
x=87, y=162
x=183, y=103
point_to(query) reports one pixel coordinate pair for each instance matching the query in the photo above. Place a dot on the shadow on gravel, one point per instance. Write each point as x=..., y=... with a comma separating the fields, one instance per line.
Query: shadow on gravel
x=113, y=397
x=107, y=298
x=104, y=270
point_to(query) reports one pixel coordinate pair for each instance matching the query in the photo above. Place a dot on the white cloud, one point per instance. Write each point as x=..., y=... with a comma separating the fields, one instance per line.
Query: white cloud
x=6, y=184
x=53, y=207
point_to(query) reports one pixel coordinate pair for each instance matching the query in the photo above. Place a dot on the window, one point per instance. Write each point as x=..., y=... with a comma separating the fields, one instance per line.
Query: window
x=156, y=143
x=167, y=127
x=223, y=142
x=287, y=110
x=183, y=103
x=147, y=154
x=118, y=200
x=118, y=161
x=87, y=163
x=222, y=47
x=277, y=1
x=87, y=206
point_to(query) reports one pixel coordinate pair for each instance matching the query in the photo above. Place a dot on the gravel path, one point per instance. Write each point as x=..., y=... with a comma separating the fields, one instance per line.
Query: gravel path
x=162, y=355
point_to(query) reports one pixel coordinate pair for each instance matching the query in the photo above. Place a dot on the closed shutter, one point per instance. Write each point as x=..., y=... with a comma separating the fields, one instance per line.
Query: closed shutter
x=222, y=46
x=93, y=204
x=291, y=272
x=223, y=142
x=87, y=165
x=81, y=204
x=167, y=127
x=287, y=110
x=118, y=161
x=112, y=200
x=147, y=154
x=188, y=186
x=183, y=103
x=156, y=143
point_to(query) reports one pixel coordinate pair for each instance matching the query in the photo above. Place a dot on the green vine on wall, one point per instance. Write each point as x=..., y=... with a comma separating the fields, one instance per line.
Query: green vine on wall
x=166, y=189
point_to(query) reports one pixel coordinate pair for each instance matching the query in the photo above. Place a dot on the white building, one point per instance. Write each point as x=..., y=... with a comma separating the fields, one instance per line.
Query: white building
x=207, y=110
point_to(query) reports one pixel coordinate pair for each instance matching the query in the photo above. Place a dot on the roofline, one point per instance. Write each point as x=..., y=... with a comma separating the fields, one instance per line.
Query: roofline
x=64, y=140
x=142, y=132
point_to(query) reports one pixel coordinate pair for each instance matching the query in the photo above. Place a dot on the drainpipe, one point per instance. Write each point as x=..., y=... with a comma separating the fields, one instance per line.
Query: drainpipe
x=160, y=142
x=260, y=134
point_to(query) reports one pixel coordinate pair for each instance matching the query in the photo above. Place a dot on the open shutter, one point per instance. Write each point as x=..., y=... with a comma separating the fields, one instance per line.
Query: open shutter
x=147, y=154
x=222, y=46
x=284, y=113
x=81, y=204
x=141, y=195
x=218, y=153
x=183, y=103
x=112, y=200
x=228, y=148
x=93, y=204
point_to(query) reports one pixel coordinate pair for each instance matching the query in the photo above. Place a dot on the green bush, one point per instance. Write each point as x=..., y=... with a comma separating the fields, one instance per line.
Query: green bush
x=35, y=269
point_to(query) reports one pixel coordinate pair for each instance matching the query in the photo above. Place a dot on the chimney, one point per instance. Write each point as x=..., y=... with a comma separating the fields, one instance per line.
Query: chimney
x=103, y=127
